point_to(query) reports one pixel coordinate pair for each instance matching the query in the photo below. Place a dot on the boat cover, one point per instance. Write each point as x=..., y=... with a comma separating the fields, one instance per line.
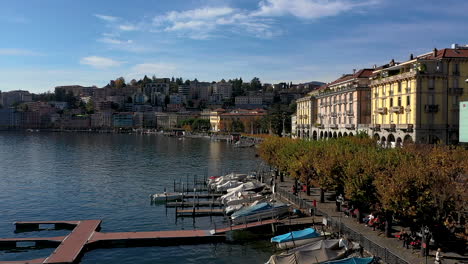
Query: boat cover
x=352, y=261
x=255, y=208
x=246, y=187
x=296, y=235
x=315, y=252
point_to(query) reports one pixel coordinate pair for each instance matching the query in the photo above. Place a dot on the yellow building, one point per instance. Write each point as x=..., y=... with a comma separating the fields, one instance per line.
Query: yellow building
x=418, y=100
x=306, y=115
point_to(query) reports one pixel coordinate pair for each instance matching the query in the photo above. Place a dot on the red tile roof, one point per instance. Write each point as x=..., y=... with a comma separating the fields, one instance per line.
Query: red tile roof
x=364, y=73
x=448, y=53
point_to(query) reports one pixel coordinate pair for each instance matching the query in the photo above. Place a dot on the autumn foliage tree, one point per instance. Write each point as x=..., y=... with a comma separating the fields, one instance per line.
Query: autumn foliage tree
x=420, y=184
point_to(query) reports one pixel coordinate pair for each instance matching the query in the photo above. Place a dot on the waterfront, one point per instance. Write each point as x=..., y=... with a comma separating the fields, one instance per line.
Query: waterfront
x=68, y=176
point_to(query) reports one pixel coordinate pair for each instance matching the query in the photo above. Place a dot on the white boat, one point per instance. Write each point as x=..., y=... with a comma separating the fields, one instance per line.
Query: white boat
x=233, y=208
x=244, y=198
x=259, y=211
x=315, y=252
x=161, y=197
x=297, y=238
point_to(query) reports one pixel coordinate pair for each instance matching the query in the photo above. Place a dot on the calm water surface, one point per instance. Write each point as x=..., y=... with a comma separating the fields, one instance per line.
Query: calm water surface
x=66, y=176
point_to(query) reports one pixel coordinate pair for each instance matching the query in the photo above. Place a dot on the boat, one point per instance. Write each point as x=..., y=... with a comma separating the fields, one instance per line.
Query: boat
x=297, y=238
x=161, y=197
x=315, y=252
x=244, y=198
x=232, y=208
x=259, y=211
x=253, y=186
x=354, y=260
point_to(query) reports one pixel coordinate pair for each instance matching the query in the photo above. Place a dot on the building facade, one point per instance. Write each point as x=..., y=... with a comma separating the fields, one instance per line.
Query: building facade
x=418, y=100
x=344, y=106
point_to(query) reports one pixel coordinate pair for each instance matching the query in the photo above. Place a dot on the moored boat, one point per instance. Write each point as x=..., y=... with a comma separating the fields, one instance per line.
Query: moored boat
x=297, y=238
x=161, y=197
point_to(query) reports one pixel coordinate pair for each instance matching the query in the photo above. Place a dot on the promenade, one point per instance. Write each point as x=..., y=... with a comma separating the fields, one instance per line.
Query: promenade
x=385, y=246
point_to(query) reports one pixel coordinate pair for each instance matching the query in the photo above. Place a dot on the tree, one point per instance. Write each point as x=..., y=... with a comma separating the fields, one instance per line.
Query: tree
x=255, y=84
x=133, y=82
x=90, y=107
x=187, y=82
x=120, y=83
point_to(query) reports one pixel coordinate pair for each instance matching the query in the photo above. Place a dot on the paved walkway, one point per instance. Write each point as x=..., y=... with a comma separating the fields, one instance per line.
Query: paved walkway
x=392, y=244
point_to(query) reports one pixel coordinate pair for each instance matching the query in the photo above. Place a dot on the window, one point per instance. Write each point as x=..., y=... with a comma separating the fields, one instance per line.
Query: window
x=391, y=118
x=430, y=99
x=455, y=82
x=399, y=87
x=399, y=101
x=391, y=102
x=408, y=86
x=350, y=97
x=431, y=83
x=456, y=69
x=408, y=101
x=376, y=104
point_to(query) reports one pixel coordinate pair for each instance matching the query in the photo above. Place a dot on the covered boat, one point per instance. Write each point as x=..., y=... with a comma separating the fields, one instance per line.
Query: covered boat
x=353, y=260
x=248, y=186
x=161, y=197
x=315, y=252
x=297, y=238
x=227, y=185
x=260, y=211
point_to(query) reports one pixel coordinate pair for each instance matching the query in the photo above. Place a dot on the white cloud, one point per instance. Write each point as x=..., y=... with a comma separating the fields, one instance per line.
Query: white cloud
x=114, y=41
x=19, y=52
x=206, y=22
x=308, y=9
x=106, y=18
x=100, y=62
x=128, y=27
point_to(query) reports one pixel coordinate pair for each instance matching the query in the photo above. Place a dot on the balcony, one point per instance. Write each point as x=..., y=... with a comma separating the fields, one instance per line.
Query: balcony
x=405, y=127
x=431, y=108
x=350, y=126
x=320, y=126
x=394, y=77
x=375, y=127
x=408, y=109
x=381, y=110
x=350, y=113
x=397, y=109
x=333, y=126
x=333, y=114
x=390, y=127
x=455, y=91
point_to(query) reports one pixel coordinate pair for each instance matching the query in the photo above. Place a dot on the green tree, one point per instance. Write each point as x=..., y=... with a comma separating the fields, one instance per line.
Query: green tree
x=255, y=84
x=90, y=107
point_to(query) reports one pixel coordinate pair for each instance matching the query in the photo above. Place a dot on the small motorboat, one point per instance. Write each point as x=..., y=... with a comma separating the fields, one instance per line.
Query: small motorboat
x=165, y=196
x=297, y=238
x=259, y=211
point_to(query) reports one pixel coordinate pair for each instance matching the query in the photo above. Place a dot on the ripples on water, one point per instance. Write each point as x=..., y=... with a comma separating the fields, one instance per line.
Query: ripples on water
x=66, y=176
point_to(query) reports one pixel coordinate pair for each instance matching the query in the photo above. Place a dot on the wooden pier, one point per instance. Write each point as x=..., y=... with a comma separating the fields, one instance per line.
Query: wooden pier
x=86, y=236
x=199, y=212
x=194, y=204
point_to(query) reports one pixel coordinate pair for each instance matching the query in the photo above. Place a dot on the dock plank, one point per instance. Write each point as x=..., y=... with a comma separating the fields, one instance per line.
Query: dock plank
x=244, y=226
x=31, y=261
x=200, y=212
x=194, y=204
x=71, y=247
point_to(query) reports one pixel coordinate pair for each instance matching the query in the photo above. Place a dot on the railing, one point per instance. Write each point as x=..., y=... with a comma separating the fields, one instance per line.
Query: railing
x=350, y=113
x=381, y=110
x=349, y=126
x=333, y=114
x=384, y=253
x=333, y=126
x=397, y=109
x=431, y=108
x=455, y=91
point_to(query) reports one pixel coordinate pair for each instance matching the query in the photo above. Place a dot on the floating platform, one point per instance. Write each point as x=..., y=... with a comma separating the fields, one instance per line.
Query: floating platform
x=199, y=212
x=194, y=204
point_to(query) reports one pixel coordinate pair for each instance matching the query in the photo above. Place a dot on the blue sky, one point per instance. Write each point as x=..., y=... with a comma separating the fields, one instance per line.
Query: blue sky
x=61, y=42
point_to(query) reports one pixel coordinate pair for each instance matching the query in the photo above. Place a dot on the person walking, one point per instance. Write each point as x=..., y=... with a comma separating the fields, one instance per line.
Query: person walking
x=438, y=256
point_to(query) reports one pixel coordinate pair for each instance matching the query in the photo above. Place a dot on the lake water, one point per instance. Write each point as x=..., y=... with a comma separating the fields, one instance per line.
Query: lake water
x=68, y=176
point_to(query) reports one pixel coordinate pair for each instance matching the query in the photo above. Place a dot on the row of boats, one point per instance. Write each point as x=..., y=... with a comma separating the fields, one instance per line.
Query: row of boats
x=245, y=200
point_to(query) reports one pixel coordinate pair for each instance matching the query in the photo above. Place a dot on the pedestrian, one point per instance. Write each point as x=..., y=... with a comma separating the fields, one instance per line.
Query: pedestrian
x=438, y=256
x=294, y=189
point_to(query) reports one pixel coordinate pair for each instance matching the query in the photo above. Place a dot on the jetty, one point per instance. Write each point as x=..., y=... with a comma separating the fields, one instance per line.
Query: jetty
x=85, y=235
x=194, y=204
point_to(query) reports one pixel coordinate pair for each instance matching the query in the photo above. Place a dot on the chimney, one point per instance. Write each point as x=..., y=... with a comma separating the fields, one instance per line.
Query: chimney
x=411, y=57
x=434, y=52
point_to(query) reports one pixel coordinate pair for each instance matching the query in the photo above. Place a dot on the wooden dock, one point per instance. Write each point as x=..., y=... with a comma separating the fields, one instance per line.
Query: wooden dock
x=86, y=236
x=199, y=212
x=224, y=230
x=194, y=204
x=203, y=196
